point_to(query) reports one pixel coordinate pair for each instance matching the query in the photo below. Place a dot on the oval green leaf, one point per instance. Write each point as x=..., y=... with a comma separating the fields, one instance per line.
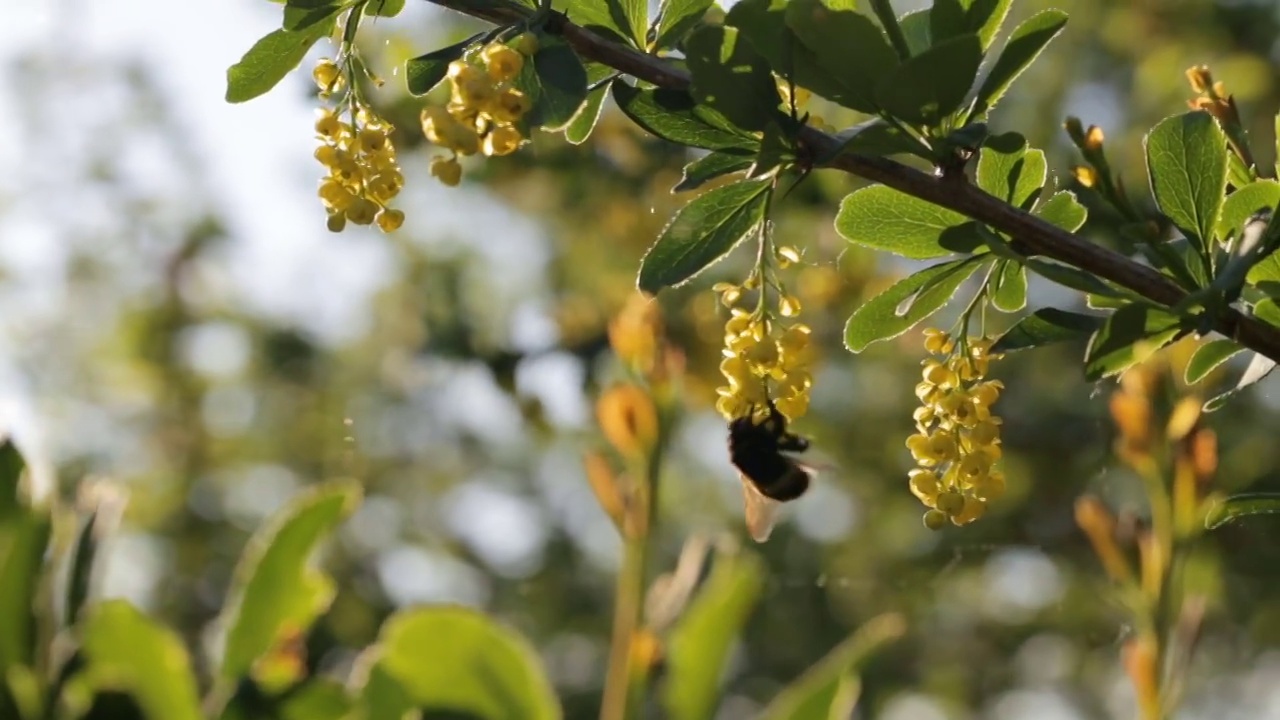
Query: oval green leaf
x=673, y=115
x=273, y=57
x=731, y=77
x=712, y=166
x=933, y=84
x=1064, y=210
x=274, y=590
x=424, y=72
x=24, y=538
x=556, y=83
x=1129, y=336
x=129, y=652
x=1010, y=292
x=1244, y=202
x=702, y=232
x=675, y=19
x=882, y=218
x=1026, y=43
x=1187, y=162
x=700, y=642
x=1047, y=326
x=878, y=318
x=1208, y=357
x=843, y=42
x=456, y=660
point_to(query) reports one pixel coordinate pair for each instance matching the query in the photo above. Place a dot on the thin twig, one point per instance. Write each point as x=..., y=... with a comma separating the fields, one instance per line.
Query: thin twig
x=1039, y=237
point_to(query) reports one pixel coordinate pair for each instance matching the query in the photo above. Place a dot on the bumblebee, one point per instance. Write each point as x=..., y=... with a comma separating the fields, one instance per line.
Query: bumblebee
x=769, y=478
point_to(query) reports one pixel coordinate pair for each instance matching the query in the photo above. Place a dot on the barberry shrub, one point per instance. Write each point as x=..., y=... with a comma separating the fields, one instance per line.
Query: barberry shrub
x=743, y=88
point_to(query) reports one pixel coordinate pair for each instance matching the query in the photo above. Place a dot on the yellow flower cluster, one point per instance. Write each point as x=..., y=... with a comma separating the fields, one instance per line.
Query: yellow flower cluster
x=363, y=173
x=482, y=112
x=958, y=438
x=757, y=351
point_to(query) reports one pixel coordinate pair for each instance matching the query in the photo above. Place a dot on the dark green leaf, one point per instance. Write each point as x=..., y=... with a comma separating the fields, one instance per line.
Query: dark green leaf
x=813, y=694
x=385, y=8
x=319, y=699
x=80, y=564
x=875, y=137
x=637, y=14
x=676, y=18
x=1046, y=326
x=702, y=232
x=1068, y=276
x=776, y=151
x=731, y=78
x=878, y=318
x=673, y=115
x=700, y=642
x=915, y=27
x=302, y=15
x=588, y=115
x=274, y=588
x=271, y=58
x=763, y=23
x=24, y=538
x=1208, y=357
x=1259, y=367
x=882, y=218
x=1128, y=336
x=949, y=18
x=1187, y=161
x=1267, y=311
x=1062, y=209
x=424, y=72
x=1009, y=171
x=1242, y=505
x=712, y=166
x=1010, y=294
x=1024, y=46
x=1243, y=203
x=933, y=84
x=556, y=83
x=457, y=660
x=845, y=43
x=128, y=651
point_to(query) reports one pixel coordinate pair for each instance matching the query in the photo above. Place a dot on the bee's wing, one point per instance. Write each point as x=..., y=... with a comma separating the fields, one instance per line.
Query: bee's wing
x=761, y=511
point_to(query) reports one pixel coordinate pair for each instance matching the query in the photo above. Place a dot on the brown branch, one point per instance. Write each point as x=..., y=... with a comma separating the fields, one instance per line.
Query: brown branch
x=1036, y=235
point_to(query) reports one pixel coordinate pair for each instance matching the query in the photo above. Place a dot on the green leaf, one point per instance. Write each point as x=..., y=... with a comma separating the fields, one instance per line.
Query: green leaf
x=424, y=72
x=1187, y=161
x=731, y=78
x=579, y=129
x=271, y=58
x=949, y=18
x=83, y=553
x=709, y=167
x=874, y=137
x=556, y=83
x=1009, y=171
x=302, y=15
x=1242, y=505
x=878, y=318
x=673, y=115
x=385, y=8
x=1010, y=294
x=1062, y=209
x=700, y=642
x=763, y=23
x=676, y=18
x=1128, y=336
x=319, y=699
x=932, y=85
x=1208, y=357
x=1243, y=203
x=1259, y=367
x=455, y=660
x=844, y=43
x=274, y=589
x=915, y=27
x=1025, y=45
x=128, y=651
x=1046, y=326
x=603, y=17
x=813, y=695
x=24, y=538
x=702, y=232
x=637, y=14
x=1073, y=278
x=882, y=218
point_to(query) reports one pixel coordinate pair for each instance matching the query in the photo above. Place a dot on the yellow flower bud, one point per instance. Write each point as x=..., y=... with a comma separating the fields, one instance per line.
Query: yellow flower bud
x=389, y=220
x=628, y=418
x=447, y=170
x=502, y=62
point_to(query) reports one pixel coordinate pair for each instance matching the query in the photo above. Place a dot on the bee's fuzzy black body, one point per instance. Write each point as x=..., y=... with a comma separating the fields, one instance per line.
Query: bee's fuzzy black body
x=756, y=451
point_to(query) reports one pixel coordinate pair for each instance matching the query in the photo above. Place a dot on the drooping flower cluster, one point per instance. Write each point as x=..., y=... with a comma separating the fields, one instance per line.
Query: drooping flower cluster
x=363, y=172
x=958, y=438
x=763, y=359
x=483, y=110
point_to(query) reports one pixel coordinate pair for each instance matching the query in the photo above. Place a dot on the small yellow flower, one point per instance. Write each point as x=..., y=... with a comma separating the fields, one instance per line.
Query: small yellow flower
x=389, y=220
x=502, y=140
x=328, y=75
x=502, y=62
x=509, y=106
x=447, y=170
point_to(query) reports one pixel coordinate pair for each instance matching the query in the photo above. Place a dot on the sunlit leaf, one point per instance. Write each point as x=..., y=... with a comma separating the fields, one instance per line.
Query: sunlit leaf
x=1208, y=357
x=271, y=58
x=1128, y=336
x=129, y=652
x=1243, y=203
x=699, y=644
x=1025, y=45
x=676, y=18
x=709, y=167
x=882, y=218
x=1062, y=209
x=730, y=77
x=1243, y=505
x=702, y=232
x=1187, y=161
x=275, y=591
x=674, y=116
x=1046, y=326
x=424, y=72
x=1010, y=293
x=933, y=84
x=1259, y=367
x=878, y=318
x=1009, y=170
